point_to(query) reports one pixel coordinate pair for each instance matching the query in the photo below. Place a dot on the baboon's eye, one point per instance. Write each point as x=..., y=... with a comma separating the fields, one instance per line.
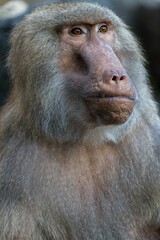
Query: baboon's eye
x=76, y=31
x=103, y=28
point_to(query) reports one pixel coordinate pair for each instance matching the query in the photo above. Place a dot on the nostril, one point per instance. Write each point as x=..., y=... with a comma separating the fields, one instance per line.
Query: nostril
x=114, y=78
x=123, y=77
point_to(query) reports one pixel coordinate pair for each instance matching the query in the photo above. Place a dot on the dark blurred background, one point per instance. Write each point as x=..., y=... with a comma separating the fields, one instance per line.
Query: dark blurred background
x=143, y=17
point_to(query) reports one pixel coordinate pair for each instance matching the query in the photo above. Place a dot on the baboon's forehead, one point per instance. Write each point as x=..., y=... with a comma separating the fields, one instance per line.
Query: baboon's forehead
x=68, y=6
x=68, y=13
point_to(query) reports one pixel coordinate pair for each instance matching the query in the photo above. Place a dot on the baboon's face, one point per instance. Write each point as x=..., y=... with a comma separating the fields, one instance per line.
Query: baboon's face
x=91, y=66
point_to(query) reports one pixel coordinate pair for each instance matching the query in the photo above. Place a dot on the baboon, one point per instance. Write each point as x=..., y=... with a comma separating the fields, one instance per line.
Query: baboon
x=80, y=133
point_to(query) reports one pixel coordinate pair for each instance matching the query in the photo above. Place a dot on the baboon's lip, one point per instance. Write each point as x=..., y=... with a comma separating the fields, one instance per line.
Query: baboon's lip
x=110, y=98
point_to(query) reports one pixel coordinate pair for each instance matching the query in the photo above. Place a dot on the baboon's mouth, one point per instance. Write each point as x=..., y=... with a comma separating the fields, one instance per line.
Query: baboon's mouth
x=98, y=96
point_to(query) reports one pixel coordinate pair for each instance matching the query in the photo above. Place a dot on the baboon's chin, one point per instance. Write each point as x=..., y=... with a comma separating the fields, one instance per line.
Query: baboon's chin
x=110, y=110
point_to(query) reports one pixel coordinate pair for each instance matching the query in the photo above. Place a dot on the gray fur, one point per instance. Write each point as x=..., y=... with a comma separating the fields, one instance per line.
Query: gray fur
x=61, y=177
